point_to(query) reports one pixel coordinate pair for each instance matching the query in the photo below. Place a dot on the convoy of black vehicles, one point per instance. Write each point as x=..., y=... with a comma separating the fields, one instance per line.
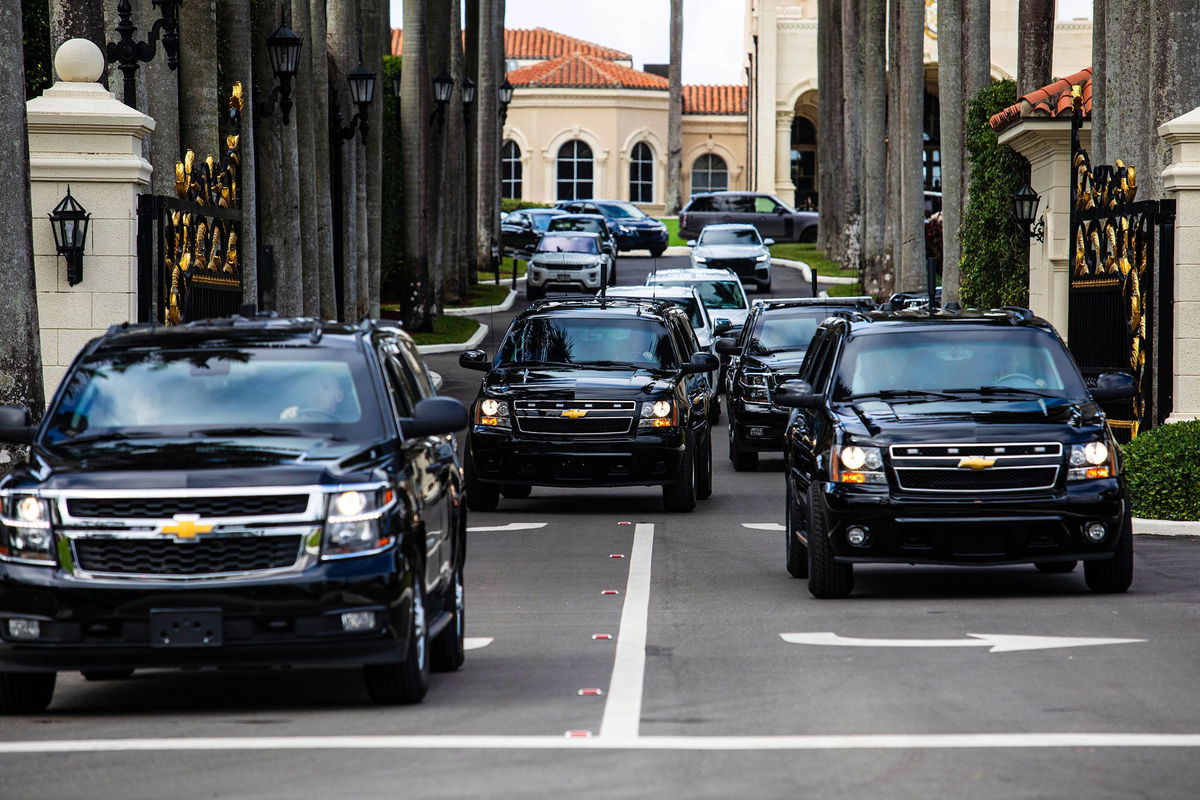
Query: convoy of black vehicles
x=592, y=392
x=951, y=438
x=237, y=492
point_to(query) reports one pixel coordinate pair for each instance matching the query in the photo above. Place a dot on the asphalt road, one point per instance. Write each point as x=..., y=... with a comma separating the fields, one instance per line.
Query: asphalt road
x=701, y=697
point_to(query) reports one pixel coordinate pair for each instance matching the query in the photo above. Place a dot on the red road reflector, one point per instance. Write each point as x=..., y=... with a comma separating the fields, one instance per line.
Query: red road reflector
x=624, y=523
x=610, y=591
x=578, y=734
x=602, y=636
x=616, y=555
x=591, y=692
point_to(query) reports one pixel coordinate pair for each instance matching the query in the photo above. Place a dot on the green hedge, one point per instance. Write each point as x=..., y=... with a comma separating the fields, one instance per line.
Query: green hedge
x=1162, y=466
x=995, y=251
x=508, y=205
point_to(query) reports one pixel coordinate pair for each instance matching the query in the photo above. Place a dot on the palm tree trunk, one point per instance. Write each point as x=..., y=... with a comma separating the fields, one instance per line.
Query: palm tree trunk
x=453, y=185
x=951, y=124
x=470, y=248
x=874, y=144
x=237, y=64
x=80, y=19
x=437, y=53
x=852, y=114
x=1174, y=80
x=977, y=65
x=830, y=149
x=1099, y=70
x=342, y=44
x=20, y=342
x=892, y=231
x=200, y=100
x=418, y=302
x=1035, y=44
x=910, y=113
x=162, y=104
x=317, y=59
x=674, y=198
x=487, y=130
x=374, y=42
x=305, y=122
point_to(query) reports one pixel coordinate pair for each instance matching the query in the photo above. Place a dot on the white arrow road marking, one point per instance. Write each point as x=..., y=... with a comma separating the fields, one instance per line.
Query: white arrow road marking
x=512, y=526
x=623, y=708
x=476, y=642
x=763, y=526
x=1000, y=643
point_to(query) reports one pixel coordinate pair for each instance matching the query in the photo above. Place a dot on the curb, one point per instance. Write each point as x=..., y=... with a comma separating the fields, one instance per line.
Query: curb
x=455, y=347
x=470, y=311
x=807, y=270
x=1165, y=527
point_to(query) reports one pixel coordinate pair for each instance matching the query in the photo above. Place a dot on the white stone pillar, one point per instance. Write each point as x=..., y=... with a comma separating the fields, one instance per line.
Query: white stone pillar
x=1046, y=143
x=1181, y=181
x=81, y=136
x=785, y=190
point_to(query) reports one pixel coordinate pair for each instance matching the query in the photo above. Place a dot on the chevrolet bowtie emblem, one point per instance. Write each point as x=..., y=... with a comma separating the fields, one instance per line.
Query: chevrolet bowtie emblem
x=186, y=526
x=975, y=463
x=574, y=413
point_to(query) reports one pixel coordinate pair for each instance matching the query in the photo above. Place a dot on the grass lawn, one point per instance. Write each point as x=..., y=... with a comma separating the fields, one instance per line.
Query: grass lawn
x=485, y=294
x=846, y=290
x=672, y=224
x=505, y=273
x=809, y=254
x=448, y=330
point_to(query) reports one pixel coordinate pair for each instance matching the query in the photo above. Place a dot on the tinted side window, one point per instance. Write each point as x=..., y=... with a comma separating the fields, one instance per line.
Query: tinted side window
x=824, y=363
x=740, y=203
x=417, y=366
x=812, y=356
x=701, y=204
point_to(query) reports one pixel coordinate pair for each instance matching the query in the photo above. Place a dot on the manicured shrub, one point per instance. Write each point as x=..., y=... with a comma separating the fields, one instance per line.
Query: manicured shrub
x=508, y=204
x=1162, y=466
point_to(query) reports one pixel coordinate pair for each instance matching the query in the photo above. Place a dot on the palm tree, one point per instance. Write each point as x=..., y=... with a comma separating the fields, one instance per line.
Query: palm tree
x=237, y=64
x=1035, y=44
x=977, y=64
x=953, y=115
x=20, y=343
x=487, y=130
x=342, y=43
x=1099, y=71
x=316, y=57
x=453, y=186
x=374, y=22
x=304, y=120
x=418, y=302
x=470, y=252
x=874, y=148
x=910, y=258
x=830, y=126
x=201, y=104
x=851, y=198
x=162, y=105
x=674, y=199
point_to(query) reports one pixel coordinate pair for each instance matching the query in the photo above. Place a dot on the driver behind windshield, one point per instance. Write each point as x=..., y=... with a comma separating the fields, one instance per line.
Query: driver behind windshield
x=589, y=341
x=318, y=396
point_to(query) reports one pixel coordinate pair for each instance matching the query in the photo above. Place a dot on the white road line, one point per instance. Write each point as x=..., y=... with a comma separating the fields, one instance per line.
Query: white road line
x=998, y=642
x=512, y=526
x=476, y=642
x=623, y=709
x=763, y=526
x=885, y=741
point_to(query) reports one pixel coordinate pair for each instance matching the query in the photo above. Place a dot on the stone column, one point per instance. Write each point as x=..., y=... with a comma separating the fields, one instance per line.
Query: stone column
x=1181, y=180
x=1046, y=143
x=81, y=136
x=785, y=190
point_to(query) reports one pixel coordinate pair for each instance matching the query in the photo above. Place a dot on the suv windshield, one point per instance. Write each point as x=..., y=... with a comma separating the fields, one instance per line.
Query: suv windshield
x=589, y=340
x=1022, y=361
x=748, y=236
x=570, y=224
x=173, y=393
x=621, y=210
x=715, y=294
x=778, y=331
x=568, y=244
x=540, y=221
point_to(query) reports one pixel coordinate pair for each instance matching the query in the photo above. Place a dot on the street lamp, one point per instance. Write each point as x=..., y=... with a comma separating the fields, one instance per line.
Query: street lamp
x=283, y=48
x=468, y=92
x=362, y=93
x=1025, y=206
x=443, y=85
x=128, y=52
x=70, y=223
x=505, y=93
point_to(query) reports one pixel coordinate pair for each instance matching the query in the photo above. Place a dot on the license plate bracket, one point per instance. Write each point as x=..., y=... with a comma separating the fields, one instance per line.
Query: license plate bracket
x=185, y=627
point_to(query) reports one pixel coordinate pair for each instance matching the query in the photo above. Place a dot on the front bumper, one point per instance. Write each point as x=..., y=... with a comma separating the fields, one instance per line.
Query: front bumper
x=757, y=427
x=641, y=239
x=650, y=459
x=974, y=530
x=586, y=279
x=295, y=619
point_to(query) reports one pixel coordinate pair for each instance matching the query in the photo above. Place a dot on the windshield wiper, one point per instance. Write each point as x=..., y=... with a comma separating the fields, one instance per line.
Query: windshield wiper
x=114, y=436
x=251, y=430
x=1003, y=390
x=617, y=364
x=888, y=394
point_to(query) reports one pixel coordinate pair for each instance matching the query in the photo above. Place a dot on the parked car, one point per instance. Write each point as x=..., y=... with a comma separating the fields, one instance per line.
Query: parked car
x=771, y=216
x=568, y=262
x=720, y=290
x=632, y=227
x=521, y=230
x=587, y=223
x=771, y=347
x=737, y=248
x=300, y=508
x=964, y=437
x=592, y=392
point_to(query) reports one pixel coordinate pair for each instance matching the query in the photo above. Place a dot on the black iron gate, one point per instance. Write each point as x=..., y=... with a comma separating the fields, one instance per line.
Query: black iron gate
x=188, y=264
x=1119, y=309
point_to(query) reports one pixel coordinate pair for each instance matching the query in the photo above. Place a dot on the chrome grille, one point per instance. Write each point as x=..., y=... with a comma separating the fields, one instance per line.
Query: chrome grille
x=167, y=507
x=168, y=557
x=968, y=480
x=565, y=427
x=1015, y=467
x=601, y=417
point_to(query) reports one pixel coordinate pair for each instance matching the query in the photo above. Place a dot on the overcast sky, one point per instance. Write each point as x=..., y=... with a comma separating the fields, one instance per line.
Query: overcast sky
x=712, y=29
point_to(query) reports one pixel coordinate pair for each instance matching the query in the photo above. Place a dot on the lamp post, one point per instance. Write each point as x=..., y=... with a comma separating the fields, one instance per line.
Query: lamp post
x=1025, y=206
x=283, y=47
x=128, y=52
x=362, y=92
x=443, y=85
x=70, y=223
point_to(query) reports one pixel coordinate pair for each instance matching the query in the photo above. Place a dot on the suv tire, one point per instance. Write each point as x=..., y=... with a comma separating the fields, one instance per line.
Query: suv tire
x=680, y=496
x=406, y=682
x=742, y=461
x=796, y=553
x=827, y=579
x=704, y=481
x=26, y=692
x=1113, y=575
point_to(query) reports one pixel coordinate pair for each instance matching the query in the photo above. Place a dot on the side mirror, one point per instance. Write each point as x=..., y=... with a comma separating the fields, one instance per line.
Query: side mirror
x=722, y=325
x=702, y=362
x=15, y=425
x=476, y=360
x=434, y=416
x=795, y=393
x=691, y=243
x=728, y=346
x=768, y=242
x=1115, y=386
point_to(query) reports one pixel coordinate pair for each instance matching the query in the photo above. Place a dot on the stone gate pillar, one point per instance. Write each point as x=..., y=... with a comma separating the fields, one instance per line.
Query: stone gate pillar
x=1181, y=181
x=81, y=136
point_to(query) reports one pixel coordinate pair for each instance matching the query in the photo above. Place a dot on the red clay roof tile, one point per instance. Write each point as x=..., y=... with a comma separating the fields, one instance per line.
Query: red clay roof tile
x=705, y=99
x=582, y=71
x=1053, y=100
x=536, y=43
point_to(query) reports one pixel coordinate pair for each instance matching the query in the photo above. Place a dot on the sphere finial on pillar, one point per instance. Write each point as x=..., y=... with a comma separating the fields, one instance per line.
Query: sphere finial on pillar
x=79, y=61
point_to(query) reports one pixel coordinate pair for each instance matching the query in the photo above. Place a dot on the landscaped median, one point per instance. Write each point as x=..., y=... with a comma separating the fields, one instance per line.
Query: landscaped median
x=484, y=298
x=1162, y=467
x=812, y=259
x=450, y=333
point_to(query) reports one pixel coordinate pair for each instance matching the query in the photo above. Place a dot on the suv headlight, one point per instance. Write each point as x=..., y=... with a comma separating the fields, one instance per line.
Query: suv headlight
x=763, y=257
x=856, y=464
x=492, y=413
x=1091, y=461
x=658, y=414
x=700, y=259
x=353, y=524
x=25, y=532
x=757, y=385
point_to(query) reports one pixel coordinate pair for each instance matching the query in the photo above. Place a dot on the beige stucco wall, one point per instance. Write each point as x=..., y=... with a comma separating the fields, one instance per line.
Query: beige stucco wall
x=724, y=136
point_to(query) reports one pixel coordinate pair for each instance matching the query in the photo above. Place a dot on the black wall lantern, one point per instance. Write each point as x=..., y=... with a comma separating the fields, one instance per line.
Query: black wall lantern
x=70, y=223
x=504, y=93
x=443, y=86
x=468, y=92
x=283, y=48
x=1025, y=207
x=128, y=52
x=362, y=93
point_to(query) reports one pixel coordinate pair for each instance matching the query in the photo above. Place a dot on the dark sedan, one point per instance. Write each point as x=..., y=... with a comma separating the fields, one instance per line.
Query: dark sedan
x=521, y=230
x=632, y=227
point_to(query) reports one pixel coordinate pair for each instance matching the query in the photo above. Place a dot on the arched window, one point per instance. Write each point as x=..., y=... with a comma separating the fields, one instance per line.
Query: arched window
x=641, y=174
x=804, y=161
x=709, y=174
x=510, y=170
x=575, y=171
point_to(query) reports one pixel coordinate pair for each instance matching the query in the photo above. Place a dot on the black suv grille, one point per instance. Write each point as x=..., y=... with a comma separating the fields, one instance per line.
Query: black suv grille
x=953, y=480
x=740, y=266
x=205, y=557
x=167, y=507
x=564, y=426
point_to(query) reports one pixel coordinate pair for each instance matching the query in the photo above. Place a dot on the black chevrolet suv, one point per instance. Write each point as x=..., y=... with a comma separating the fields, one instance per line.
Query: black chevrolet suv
x=953, y=438
x=593, y=392
x=771, y=346
x=241, y=492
